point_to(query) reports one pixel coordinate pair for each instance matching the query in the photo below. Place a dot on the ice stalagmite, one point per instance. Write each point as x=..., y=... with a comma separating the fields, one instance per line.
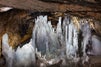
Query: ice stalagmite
x=7, y=51
x=71, y=38
x=50, y=44
x=40, y=34
x=86, y=34
x=46, y=39
x=23, y=56
x=75, y=38
x=66, y=21
x=69, y=45
x=59, y=29
x=96, y=46
x=59, y=32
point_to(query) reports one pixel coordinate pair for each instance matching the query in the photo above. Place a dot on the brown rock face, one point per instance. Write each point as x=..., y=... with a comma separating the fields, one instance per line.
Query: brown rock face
x=15, y=23
x=84, y=8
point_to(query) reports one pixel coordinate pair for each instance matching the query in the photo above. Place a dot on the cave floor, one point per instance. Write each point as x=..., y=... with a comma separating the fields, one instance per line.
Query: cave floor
x=94, y=61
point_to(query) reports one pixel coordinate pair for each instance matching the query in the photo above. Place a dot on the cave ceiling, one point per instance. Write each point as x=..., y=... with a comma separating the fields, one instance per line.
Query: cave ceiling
x=82, y=8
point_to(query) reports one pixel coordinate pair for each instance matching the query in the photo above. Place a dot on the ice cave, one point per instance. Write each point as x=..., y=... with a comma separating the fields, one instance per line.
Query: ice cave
x=50, y=33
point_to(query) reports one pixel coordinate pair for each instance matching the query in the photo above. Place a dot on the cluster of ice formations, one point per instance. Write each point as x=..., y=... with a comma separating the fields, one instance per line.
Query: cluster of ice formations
x=51, y=43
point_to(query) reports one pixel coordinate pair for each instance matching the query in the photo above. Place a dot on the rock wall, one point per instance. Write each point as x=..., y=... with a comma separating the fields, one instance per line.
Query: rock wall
x=15, y=23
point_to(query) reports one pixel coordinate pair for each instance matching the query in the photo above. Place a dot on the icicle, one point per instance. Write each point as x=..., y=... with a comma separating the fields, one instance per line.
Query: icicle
x=86, y=35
